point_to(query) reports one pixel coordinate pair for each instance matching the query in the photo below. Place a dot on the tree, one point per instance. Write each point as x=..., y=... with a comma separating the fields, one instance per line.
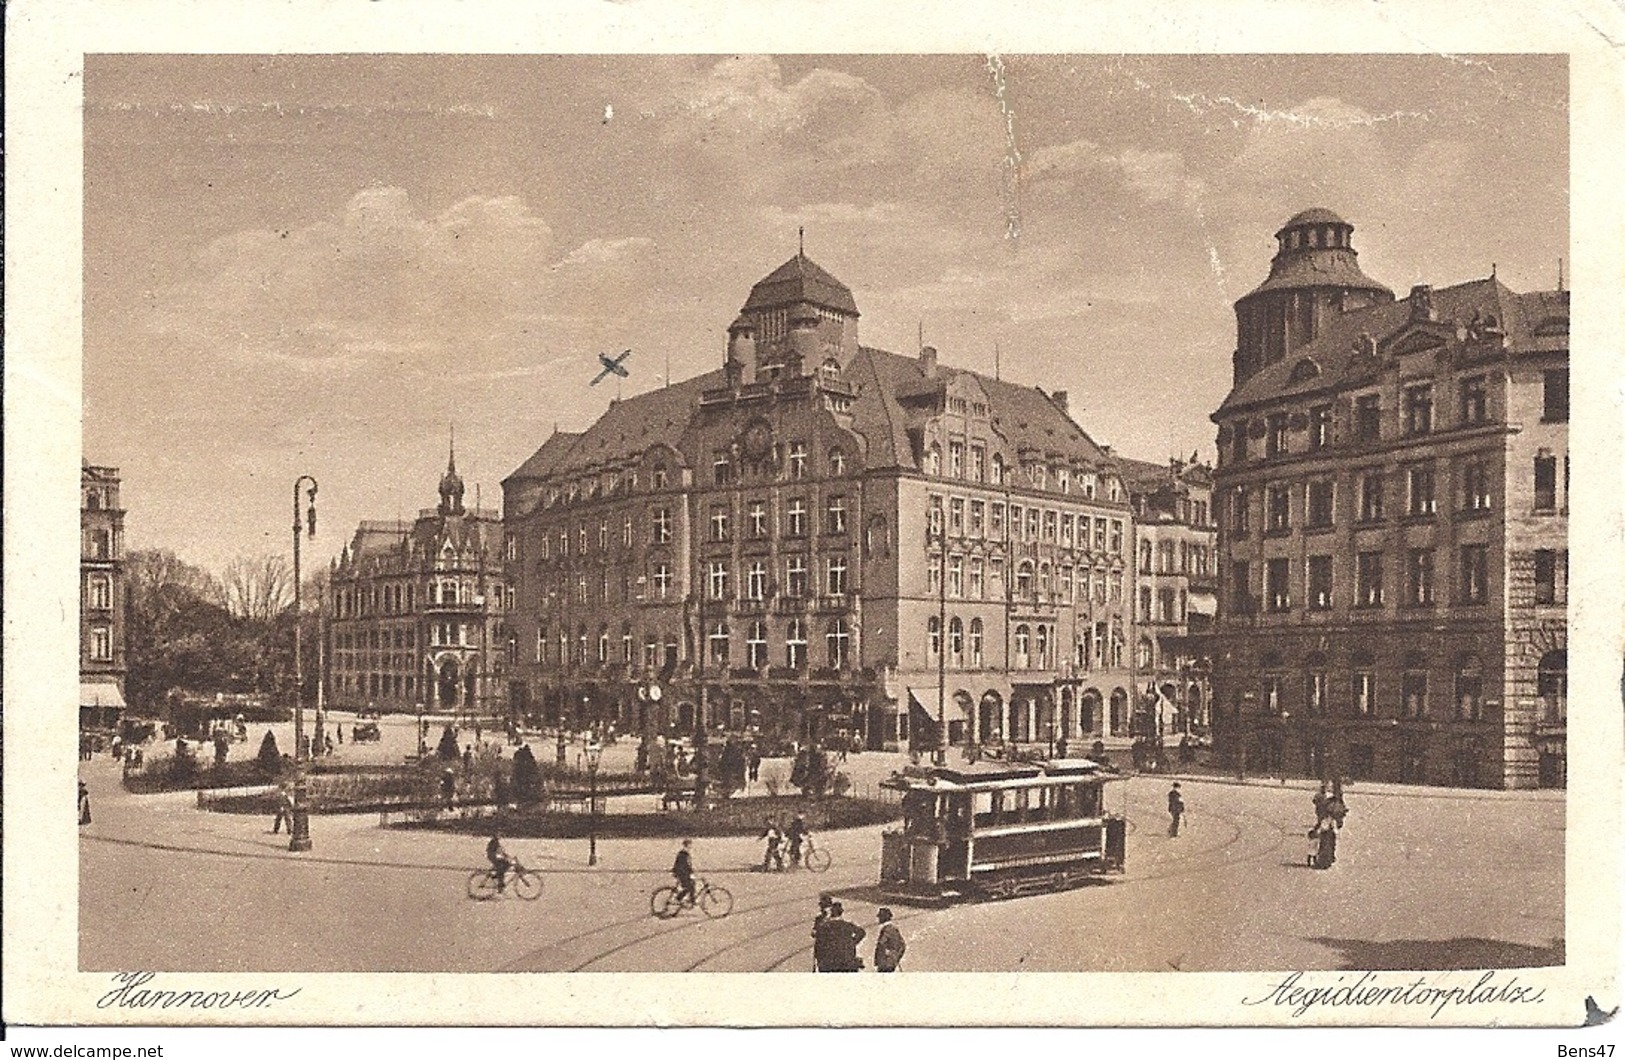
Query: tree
x=527, y=778
x=259, y=588
x=178, y=634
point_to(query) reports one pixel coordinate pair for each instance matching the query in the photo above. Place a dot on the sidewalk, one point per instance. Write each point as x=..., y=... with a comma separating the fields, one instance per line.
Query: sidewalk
x=1364, y=787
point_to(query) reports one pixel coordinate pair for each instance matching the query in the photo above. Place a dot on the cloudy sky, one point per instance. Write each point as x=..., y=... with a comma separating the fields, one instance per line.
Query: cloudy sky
x=318, y=264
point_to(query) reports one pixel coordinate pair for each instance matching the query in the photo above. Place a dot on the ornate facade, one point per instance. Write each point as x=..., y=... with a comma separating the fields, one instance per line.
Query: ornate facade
x=1393, y=494
x=419, y=615
x=101, y=597
x=821, y=537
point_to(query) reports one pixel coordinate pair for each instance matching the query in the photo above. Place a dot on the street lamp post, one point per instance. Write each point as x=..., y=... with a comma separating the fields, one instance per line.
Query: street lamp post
x=299, y=831
x=595, y=754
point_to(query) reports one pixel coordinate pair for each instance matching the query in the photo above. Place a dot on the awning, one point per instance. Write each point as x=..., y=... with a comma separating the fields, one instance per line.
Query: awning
x=1202, y=604
x=926, y=700
x=100, y=692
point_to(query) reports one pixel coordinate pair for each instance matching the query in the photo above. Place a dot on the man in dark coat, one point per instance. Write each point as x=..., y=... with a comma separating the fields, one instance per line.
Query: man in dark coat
x=1176, y=809
x=840, y=942
x=889, y=946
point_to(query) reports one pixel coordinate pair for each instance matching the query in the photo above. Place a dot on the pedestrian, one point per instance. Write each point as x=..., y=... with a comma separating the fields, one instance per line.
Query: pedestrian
x=84, y=803
x=821, y=958
x=448, y=788
x=755, y=763
x=478, y=732
x=889, y=946
x=841, y=938
x=284, y=810
x=1326, y=848
x=775, y=847
x=797, y=832
x=340, y=728
x=1321, y=800
x=468, y=760
x=1176, y=809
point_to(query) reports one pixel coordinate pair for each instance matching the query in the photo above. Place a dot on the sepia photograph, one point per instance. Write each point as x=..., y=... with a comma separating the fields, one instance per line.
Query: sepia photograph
x=927, y=510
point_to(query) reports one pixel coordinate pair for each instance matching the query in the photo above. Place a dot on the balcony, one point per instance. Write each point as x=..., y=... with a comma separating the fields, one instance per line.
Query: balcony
x=790, y=605
x=746, y=606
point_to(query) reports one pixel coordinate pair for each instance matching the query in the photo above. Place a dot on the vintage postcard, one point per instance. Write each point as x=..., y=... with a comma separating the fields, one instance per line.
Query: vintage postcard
x=1100, y=511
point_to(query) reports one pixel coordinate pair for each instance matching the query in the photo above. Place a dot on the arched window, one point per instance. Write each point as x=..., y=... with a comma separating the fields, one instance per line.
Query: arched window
x=976, y=642
x=1145, y=557
x=1552, y=685
x=933, y=636
x=1024, y=638
x=1043, y=647
x=1413, y=686
x=998, y=470
x=933, y=460
x=603, y=645
x=1142, y=653
x=101, y=592
x=1044, y=578
x=1024, y=580
x=956, y=642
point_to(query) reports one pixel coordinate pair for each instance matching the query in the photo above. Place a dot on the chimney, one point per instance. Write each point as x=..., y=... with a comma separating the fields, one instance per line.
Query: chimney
x=928, y=361
x=1059, y=397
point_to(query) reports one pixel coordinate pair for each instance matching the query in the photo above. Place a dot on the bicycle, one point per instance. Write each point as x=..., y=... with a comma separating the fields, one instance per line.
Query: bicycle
x=715, y=902
x=815, y=858
x=526, y=883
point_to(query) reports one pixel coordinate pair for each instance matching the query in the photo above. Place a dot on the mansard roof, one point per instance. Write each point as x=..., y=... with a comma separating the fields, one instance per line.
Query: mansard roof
x=1530, y=321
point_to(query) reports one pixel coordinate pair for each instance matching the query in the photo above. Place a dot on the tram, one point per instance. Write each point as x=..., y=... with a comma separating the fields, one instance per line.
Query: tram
x=999, y=829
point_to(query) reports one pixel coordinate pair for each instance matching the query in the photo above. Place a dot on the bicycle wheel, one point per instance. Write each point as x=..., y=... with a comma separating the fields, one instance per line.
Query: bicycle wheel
x=527, y=884
x=716, y=902
x=818, y=859
x=482, y=885
x=663, y=902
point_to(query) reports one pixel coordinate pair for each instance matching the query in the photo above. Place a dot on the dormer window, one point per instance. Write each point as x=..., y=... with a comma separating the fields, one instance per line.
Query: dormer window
x=1089, y=480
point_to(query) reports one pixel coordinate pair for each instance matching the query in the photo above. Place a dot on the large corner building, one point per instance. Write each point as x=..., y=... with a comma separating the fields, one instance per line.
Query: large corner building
x=1393, y=492
x=824, y=539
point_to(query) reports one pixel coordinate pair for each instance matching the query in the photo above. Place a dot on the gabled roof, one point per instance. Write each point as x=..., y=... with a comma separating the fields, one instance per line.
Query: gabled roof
x=801, y=280
x=1335, y=350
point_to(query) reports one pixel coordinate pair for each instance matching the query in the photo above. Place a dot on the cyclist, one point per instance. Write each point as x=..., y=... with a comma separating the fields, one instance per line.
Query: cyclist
x=797, y=834
x=683, y=870
x=500, y=861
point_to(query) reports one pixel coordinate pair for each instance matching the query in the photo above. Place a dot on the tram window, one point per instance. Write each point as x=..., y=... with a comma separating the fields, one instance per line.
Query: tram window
x=1088, y=800
x=958, y=815
x=1019, y=810
x=1066, y=802
x=985, y=808
x=1038, y=808
x=919, y=813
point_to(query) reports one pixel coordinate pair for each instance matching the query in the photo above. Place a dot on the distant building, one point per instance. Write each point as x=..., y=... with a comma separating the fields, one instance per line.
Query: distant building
x=419, y=612
x=815, y=538
x=1393, y=488
x=1176, y=591
x=101, y=597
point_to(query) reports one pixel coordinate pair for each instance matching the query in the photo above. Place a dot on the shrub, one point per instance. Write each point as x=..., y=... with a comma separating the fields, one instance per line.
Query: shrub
x=269, y=759
x=448, y=749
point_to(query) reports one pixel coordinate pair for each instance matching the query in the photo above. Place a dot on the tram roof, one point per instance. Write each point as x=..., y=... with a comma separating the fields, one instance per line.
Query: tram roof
x=995, y=773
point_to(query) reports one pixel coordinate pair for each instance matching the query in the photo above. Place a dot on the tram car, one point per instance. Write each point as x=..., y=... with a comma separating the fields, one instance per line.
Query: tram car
x=999, y=829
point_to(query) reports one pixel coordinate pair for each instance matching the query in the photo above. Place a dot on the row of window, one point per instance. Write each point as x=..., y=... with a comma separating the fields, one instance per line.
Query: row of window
x=970, y=463
x=1032, y=647
x=1418, y=415
x=401, y=598
x=724, y=469
x=661, y=651
x=1173, y=606
x=982, y=519
x=1420, y=580
x=1318, y=506
x=1171, y=557
x=1413, y=698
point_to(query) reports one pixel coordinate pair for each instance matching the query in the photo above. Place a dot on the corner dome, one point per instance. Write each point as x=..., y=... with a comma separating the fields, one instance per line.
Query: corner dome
x=1315, y=215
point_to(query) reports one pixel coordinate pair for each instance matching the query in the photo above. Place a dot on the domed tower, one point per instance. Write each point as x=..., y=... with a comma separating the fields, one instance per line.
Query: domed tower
x=1314, y=275
x=800, y=316
x=451, y=487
